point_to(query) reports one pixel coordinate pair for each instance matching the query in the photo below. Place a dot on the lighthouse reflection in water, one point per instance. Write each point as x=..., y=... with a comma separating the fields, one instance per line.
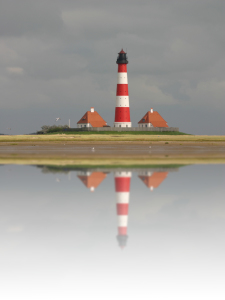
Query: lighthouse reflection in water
x=152, y=178
x=128, y=233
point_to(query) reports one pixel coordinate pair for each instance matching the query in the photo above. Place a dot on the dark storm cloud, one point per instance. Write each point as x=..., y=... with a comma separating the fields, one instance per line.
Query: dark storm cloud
x=62, y=54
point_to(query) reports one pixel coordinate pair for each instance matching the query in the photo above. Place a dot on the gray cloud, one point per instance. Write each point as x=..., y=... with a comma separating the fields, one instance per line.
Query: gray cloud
x=29, y=18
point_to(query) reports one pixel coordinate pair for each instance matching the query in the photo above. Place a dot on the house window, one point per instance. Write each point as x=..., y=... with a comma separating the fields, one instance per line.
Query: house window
x=146, y=125
x=119, y=125
x=126, y=125
x=84, y=125
x=143, y=120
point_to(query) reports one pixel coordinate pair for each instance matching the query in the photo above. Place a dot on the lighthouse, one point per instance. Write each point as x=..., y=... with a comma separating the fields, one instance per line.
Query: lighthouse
x=122, y=111
x=122, y=186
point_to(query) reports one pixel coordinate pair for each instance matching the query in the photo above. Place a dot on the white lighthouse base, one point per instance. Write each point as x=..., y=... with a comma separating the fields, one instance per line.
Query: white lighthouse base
x=122, y=124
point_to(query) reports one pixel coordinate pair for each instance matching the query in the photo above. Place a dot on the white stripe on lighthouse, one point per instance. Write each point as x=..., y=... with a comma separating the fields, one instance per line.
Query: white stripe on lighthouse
x=122, y=220
x=122, y=78
x=122, y=197
x=122, y=101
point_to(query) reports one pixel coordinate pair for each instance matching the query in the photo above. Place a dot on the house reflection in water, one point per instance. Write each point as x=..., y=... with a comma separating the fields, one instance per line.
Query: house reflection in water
x=152, y=179
x=91, y=179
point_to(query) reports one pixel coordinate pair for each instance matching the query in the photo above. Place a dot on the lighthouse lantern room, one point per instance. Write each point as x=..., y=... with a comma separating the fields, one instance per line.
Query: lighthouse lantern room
x=122, y=111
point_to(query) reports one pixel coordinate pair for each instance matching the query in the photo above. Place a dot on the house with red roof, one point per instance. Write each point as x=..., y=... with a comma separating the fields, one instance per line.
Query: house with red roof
x=152, y=180
x=152, y=119
x=91, y=180
x=91, y=119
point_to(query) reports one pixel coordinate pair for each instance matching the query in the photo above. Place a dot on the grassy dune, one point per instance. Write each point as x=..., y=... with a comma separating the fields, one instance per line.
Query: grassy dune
x=119, y=133
x=61, y=157
x=114, y=137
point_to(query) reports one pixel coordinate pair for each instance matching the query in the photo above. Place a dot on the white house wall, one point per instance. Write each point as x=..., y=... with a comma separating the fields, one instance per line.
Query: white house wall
x=84, y=125
x=145, y=125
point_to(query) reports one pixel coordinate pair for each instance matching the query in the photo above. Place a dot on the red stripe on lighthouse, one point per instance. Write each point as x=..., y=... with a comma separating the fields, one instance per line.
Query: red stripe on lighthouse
x=122, y=230
x=122, y=208
x=122, y=68
x=122, y=90
x=122, y=184
x=122, y=114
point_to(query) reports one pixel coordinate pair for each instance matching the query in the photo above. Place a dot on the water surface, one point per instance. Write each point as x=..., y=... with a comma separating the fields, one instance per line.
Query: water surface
x=65, y=234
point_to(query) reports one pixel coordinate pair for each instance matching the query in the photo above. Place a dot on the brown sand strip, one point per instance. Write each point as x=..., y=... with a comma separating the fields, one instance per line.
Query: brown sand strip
x=111, y=152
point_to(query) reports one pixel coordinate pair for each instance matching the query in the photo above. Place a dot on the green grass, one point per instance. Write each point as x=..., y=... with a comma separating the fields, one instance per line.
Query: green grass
x=116, y=133
x=55, y=168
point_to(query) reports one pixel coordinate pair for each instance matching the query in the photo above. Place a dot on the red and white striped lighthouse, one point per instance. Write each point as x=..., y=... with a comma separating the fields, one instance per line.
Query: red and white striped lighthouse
x=122, y=186
x=122, y=111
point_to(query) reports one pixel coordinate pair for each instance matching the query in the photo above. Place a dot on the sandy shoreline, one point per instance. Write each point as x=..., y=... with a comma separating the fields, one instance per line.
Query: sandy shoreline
x=64, y=149
x=108, y=152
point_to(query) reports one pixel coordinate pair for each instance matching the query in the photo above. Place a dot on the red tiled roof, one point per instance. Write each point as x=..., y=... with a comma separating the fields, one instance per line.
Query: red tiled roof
x=154, y=118
x=154, y=180
x=93, y=118
x=92, y=180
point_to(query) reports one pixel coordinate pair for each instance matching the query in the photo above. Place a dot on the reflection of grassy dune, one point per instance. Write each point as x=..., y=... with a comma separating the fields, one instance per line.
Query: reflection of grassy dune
x=68, y=168
x=114, y=137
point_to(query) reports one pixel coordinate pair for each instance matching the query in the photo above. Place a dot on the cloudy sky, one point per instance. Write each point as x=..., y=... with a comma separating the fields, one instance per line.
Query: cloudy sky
x=58, y=58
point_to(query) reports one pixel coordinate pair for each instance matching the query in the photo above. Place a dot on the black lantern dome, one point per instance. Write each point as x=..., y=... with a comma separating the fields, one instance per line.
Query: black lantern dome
x=122, y=58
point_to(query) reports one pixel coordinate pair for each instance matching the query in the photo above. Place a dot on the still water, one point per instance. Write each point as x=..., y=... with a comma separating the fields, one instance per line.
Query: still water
x=155, y=233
